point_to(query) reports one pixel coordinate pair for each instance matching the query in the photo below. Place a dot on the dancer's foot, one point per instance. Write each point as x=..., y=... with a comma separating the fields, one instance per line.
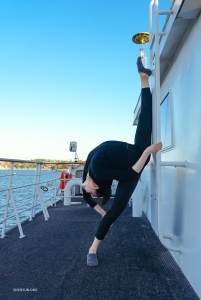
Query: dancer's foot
x=141, y=68
x=92, y=260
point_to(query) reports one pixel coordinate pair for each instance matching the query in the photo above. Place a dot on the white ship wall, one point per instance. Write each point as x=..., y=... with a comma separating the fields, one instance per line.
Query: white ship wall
x=181, y=187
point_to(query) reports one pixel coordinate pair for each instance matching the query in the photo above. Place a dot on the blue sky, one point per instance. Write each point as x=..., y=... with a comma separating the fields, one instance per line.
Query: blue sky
x=68, y=73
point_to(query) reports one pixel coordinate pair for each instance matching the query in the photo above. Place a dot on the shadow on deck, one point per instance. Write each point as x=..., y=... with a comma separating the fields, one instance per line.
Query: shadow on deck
x=52, y=259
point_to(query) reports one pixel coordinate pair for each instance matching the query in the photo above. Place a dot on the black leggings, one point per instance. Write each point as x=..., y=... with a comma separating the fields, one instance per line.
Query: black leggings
x=125, y=189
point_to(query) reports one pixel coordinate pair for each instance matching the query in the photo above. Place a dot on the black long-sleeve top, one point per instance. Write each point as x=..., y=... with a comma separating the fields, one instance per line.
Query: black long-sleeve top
x=110, y=160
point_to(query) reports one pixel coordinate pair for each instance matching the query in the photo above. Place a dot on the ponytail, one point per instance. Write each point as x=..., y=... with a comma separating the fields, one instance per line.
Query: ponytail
x=106, y=196
x=105, y=193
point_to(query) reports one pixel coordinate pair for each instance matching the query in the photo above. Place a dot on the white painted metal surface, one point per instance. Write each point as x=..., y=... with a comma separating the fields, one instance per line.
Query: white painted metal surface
x=181, y=188
x=157, y=137
x=67, y=191
x=137, y=201
x=183, y=185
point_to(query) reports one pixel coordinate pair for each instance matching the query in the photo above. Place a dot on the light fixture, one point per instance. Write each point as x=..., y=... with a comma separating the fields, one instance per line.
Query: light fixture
x=141, y=38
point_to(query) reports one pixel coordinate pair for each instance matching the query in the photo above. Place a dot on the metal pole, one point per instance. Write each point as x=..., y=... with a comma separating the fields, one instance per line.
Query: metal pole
x=158, y=138
x=40, y=195
x=16, y=215
x=35, y=187
x=54, y=188
x=10, y=195
x=150, y=33
x=42, y=202
x=34, y=195
x=7, y=200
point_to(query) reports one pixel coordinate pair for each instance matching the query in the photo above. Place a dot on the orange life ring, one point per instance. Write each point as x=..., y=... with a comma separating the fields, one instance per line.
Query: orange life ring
x=64, y=178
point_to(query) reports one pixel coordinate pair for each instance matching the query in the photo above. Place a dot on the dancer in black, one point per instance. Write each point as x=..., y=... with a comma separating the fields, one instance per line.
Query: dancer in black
x=121, y=161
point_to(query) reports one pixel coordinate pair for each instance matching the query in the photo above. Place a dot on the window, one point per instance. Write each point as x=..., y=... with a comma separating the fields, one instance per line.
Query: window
x=166, y=123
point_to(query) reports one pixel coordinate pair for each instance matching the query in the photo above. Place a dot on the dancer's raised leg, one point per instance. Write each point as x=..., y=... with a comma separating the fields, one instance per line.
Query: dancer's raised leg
x=144, y=128
x=110, y=217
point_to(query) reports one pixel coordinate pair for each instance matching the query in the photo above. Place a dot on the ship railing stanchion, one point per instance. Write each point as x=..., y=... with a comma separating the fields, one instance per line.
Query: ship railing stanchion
x=54, y=186
x=10, y=196
x=40, y=195
x=7, y=200
x=34, y=198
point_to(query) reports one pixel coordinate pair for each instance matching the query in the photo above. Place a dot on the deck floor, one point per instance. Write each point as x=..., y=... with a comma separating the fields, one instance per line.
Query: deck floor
x=52, y=259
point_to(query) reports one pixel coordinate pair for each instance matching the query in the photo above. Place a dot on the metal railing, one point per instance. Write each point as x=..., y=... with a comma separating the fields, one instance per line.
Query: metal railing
x=25, y=192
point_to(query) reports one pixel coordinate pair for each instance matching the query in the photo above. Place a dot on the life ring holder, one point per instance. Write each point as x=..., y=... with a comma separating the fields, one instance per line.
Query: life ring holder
x=44, y=188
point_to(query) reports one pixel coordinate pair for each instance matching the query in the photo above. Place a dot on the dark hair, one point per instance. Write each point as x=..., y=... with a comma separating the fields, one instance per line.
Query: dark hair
x=105, y=193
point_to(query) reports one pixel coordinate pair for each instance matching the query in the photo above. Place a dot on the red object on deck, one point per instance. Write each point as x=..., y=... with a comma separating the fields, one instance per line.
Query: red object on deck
x=64, y=178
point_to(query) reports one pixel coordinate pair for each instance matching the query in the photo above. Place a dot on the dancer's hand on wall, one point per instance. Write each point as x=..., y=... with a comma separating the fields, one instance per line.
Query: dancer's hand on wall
x=154, y=148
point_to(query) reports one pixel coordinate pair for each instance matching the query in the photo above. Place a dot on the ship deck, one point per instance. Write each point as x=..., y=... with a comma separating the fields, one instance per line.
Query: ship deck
x=52, y=259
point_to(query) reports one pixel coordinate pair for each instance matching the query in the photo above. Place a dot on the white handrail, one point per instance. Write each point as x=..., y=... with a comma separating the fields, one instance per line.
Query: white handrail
x=39, y=162
x=174, y=164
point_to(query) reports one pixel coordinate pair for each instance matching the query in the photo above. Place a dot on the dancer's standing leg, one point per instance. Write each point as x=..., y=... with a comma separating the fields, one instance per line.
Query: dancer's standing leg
x=120, y=203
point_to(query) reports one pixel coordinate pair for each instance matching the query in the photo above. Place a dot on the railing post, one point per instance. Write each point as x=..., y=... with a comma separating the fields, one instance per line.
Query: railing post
x=54, y=187
x=7, y=200
x=158, y=128
x=10, y=195
x=40, y=195
x=32, y=213
x=42, y=202
x=16, y=215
